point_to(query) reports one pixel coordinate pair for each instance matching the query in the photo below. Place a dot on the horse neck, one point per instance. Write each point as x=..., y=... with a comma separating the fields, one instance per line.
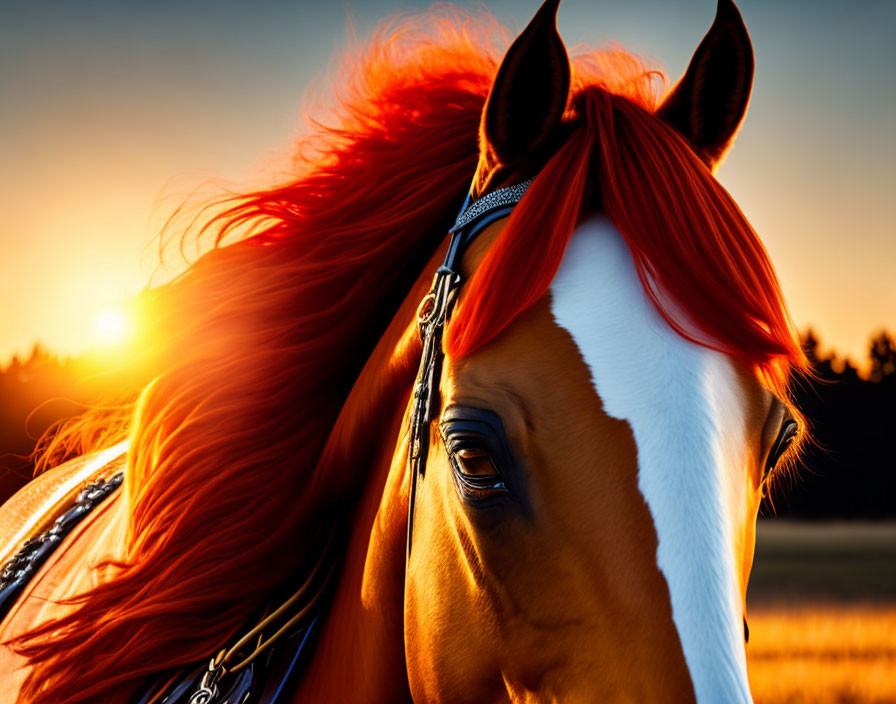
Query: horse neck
x=360, y=654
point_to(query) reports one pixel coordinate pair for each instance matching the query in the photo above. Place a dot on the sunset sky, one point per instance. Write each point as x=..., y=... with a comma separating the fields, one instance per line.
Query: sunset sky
x=112, y=112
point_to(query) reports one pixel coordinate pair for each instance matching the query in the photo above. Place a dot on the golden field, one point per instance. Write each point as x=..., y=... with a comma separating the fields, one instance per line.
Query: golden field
x=822, y=614
x=823, y=655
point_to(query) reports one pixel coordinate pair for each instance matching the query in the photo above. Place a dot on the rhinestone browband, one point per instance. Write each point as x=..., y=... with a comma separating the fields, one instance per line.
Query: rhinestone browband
x=509, y=196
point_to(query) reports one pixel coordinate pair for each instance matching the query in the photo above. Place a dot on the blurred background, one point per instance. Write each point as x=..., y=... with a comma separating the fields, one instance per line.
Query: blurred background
x=113, y=113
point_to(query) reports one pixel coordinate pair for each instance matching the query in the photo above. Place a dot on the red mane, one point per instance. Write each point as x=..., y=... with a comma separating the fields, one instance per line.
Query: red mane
x=692, y=245
x=258, y=345
x=260, y=341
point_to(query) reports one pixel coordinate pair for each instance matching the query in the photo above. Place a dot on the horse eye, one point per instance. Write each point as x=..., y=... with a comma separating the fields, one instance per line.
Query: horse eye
x=475, y=462
x=477, y=450
x=475, y=473
x=789, y=431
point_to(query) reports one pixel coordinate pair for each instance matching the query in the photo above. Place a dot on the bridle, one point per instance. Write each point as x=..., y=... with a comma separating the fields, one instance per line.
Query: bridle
x=432, y=316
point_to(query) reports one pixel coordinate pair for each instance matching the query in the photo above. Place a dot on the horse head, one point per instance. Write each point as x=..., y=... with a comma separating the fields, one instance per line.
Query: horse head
x=585, y=525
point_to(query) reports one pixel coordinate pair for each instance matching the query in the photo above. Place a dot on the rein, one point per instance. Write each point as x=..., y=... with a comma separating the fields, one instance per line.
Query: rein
x=433, y=314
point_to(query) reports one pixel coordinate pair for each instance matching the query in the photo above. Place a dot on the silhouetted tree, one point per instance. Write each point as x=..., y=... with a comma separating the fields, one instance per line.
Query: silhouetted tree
x=883, y=356
x=810, y=347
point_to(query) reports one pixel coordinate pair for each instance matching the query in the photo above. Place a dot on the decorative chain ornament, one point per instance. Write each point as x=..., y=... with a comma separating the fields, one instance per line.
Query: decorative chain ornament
x=22, y=566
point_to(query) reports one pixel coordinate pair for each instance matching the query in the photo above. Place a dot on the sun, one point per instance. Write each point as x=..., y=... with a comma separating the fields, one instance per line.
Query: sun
x=112, y=326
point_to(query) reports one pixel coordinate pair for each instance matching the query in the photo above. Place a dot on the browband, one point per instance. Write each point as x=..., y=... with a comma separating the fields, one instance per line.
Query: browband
x=476, y=216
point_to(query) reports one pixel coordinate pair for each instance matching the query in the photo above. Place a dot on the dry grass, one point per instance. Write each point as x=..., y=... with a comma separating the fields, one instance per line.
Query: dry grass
x=832, y=654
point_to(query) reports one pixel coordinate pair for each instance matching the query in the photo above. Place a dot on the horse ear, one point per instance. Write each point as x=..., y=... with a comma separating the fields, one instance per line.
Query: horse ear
x=529, y=94
x=709, y=102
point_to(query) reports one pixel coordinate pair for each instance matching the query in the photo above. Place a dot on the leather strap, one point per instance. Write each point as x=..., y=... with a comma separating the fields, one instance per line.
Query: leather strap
x=432, y=316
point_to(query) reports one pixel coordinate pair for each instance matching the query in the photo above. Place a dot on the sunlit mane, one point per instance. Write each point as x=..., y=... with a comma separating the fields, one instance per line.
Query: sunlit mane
x=698, y=258
x=256, y=346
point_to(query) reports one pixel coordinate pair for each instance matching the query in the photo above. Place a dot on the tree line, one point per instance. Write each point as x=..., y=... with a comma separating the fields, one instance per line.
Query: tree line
x=847, y=470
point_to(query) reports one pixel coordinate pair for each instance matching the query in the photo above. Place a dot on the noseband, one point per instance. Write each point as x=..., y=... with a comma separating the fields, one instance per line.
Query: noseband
x=433, y=314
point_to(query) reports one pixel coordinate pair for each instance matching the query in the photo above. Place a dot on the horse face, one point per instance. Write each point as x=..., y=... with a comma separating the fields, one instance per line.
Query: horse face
x=586, y=525
x=585, y=528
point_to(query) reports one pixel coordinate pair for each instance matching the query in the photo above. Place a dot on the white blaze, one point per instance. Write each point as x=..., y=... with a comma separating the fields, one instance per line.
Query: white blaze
x=681, y=401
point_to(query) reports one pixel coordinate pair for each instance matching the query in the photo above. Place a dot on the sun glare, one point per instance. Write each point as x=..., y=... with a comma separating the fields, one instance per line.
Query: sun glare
x=112, y=326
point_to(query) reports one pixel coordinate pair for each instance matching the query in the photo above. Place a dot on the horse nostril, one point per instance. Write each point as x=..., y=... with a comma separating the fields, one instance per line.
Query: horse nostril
x=746, y=631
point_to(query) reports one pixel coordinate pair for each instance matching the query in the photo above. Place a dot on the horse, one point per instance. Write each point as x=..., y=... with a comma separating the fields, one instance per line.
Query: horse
x=533, y=478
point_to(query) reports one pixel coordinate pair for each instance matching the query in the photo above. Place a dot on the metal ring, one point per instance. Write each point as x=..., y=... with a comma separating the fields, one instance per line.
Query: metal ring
x=426, y=309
